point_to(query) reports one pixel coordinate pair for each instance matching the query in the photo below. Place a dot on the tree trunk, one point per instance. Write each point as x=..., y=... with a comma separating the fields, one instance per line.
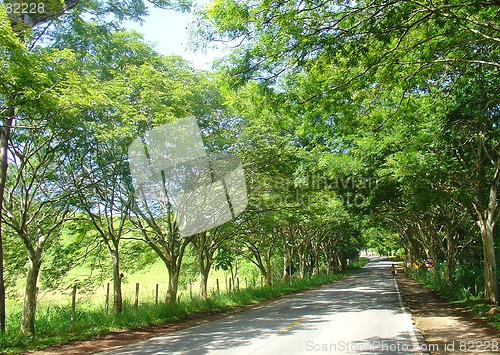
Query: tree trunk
x=329, y=266
x=411, y=254
x=451, y=260
x=4, y=145
x=302, y=265
x=267, y=278
x=341, y=262
x=329, y=260
x=29, y=307
x=490, y=278
x=117, y=283
x=451, y=263
x=316, y=261
x=266, y=274
x=268, y=269
x=173, y=284
x=235, y=272
x=486, y=221
x=204, y=262
x=203, y=283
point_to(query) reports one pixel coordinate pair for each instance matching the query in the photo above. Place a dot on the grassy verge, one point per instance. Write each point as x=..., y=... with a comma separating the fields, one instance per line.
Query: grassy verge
x=466, y=292
x=53, y=324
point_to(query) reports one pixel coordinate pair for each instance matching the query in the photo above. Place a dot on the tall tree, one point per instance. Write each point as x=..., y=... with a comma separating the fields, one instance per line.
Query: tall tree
x=206, y=245
x=156, y=224
x=104, y=194
x=21, y=82
x=365, y=65
x=35, y=206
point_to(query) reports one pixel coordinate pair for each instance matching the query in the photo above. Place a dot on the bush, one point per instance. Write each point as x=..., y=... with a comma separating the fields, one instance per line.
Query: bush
x=468, y=282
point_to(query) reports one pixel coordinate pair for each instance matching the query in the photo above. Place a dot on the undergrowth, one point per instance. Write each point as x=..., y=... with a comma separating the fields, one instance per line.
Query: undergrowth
x=466, y=290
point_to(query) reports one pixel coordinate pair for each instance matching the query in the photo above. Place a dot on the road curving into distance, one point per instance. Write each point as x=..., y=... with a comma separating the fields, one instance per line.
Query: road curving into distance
x=360, y=314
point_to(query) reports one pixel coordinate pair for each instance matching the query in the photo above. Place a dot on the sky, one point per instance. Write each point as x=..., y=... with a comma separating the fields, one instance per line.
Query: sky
x=168, y=31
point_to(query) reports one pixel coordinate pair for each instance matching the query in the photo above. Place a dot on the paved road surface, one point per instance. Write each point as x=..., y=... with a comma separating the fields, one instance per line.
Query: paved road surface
x=361, y=314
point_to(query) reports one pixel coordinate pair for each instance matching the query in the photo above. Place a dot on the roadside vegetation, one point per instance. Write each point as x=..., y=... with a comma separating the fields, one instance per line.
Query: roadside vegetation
x=55, y=326
x=466, y=290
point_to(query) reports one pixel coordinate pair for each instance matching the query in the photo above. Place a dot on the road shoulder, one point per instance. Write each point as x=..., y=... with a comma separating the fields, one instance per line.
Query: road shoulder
x=446, y=328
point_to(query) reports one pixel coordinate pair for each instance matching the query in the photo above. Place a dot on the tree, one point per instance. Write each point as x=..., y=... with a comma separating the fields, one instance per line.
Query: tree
x=104, y=195
x=260, y=238
x=156, y=224
x=20, y=84
x=206, y=245
x=36, y=202
x=274, y=39
x=365, y=64
x=21, y=75
x=99, y=158
x=40, y=89
x=471, y=128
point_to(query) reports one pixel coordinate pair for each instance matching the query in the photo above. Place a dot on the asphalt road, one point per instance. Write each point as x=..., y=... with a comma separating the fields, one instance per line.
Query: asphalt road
x=361, y=314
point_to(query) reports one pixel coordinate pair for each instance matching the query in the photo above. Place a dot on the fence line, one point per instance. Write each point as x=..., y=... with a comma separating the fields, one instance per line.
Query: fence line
x=231, y=286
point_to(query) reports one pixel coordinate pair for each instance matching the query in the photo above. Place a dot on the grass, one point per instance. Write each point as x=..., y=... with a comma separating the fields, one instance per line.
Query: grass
x=54, y=325
x=466, y=291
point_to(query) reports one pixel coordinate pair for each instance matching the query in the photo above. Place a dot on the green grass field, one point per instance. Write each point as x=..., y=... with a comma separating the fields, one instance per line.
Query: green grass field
x=147, y=279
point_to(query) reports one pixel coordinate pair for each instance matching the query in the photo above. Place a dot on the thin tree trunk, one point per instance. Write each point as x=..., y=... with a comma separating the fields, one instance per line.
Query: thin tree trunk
x=4, y=145
x=411, y=255
x=451, y=260
x=203, y=285
x=302, y=263
x=117, y=283
x=204, y=262
x=173, y=284
x=268, y=269
x=486, y=221
x=328, y=258
x=341, y=262
x=451, y=263
x=490, y=278
x=316, y=261
x=29, y=307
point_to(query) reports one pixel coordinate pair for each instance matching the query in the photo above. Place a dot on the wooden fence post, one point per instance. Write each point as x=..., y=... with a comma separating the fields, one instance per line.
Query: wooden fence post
x=136, y=302
x=73, y=303
x=218, y=289
x=106, y=302
x=229, y=284
x=237, y=284
x=156, y=294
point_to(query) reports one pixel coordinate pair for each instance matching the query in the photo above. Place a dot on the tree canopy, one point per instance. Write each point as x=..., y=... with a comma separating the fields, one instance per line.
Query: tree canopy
x=360, y=125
